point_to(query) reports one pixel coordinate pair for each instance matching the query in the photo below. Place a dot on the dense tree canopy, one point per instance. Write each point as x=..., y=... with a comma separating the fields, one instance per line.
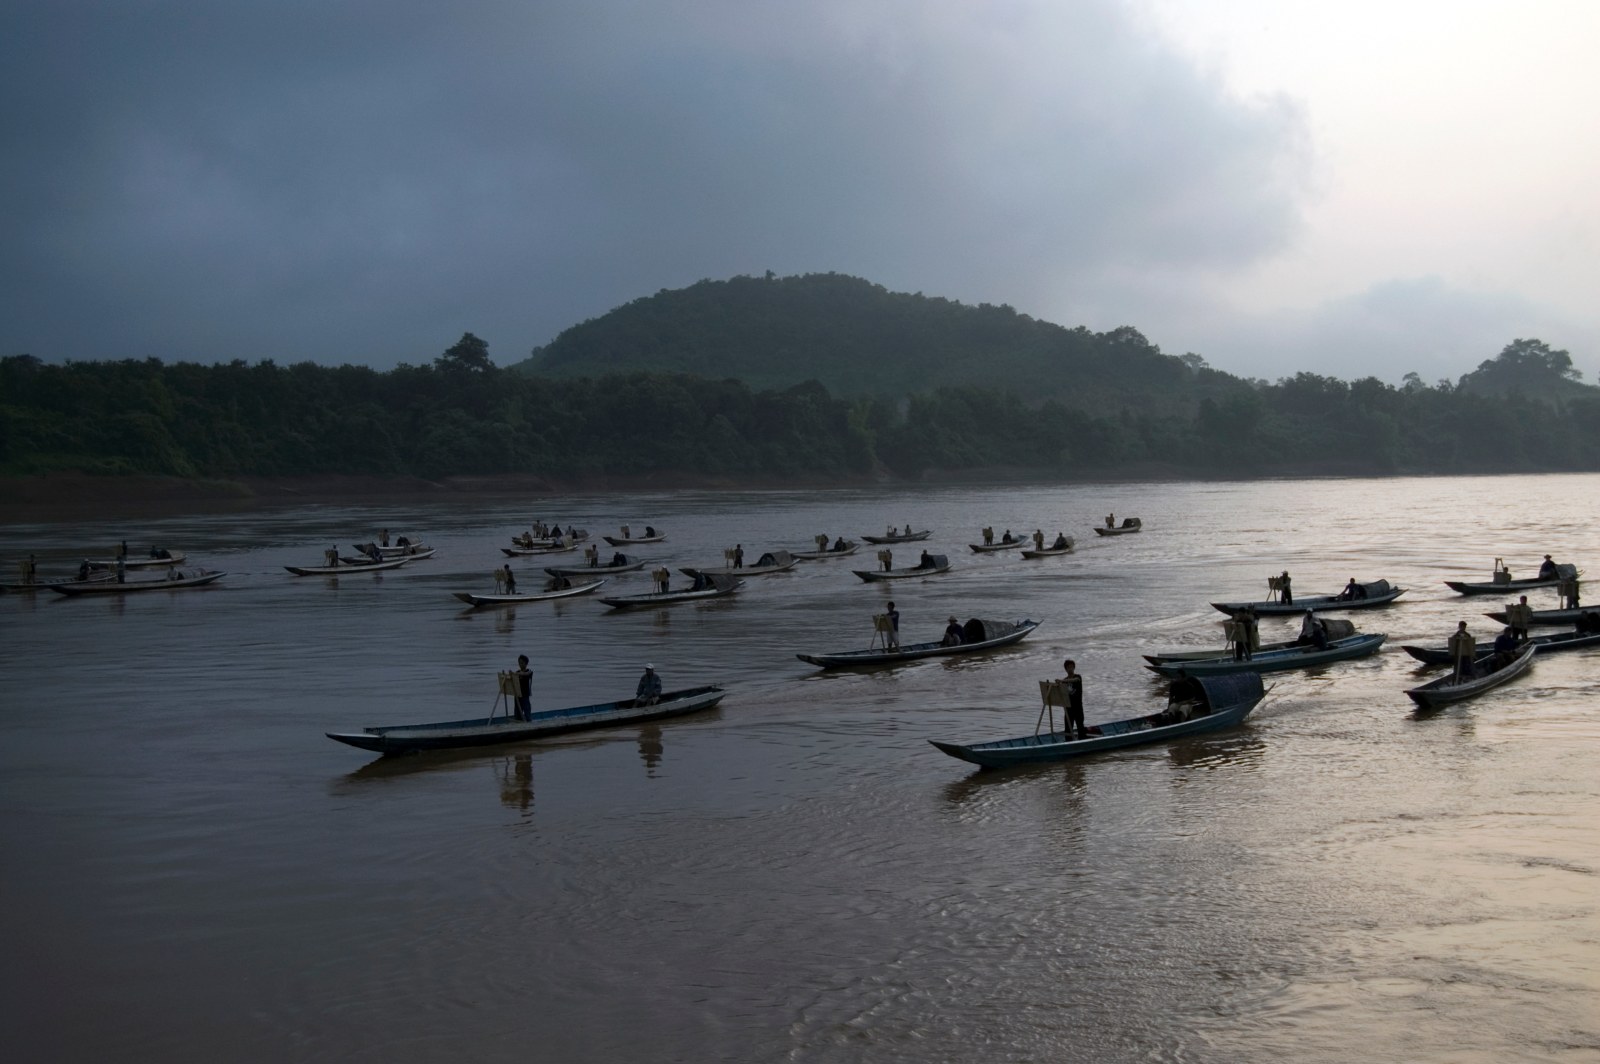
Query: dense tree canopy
x=462, y=416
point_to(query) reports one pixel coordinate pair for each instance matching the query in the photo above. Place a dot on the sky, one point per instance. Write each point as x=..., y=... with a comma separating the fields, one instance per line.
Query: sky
x=1352, y=189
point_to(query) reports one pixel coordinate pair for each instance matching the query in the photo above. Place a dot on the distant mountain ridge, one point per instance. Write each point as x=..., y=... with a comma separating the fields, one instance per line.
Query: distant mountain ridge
x=860, y=339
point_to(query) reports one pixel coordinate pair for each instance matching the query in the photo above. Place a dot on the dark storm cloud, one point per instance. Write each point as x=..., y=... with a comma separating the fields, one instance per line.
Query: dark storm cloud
x=363, y=181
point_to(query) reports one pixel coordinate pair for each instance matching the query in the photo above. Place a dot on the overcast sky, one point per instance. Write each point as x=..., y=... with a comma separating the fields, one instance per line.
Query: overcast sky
x=1355, y=188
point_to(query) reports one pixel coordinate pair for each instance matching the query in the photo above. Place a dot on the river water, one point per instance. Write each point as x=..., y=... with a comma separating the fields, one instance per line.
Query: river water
x=194, y=873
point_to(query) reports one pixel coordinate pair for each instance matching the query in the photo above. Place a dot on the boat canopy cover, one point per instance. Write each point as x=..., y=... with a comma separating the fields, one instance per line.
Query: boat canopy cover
x=1374, y=588
x=1230, y=688
x=775, y=557
x=979, y=630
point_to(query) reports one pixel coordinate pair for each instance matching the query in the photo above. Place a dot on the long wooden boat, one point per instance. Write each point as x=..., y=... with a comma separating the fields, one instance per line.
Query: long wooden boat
x=977, y=636
x=1209, y=653
x=1549, y=618
x=1129, y=525
x=706, y=586
x=849, y=548
x=1547, y=644
x=508, y=599
x=1376, y=597
x=941, y=564
x=774, y=561
x=347, y=570
x=899, y=537
x=1294, y=657
x=362, y=559
x=991, y=548
x=1448, y=689
x=1195, y=706
x=414, y=551
x=23, y=587
x=625, y=541
x=528, y=552
x=1502, y=587
x=128, y=587
x=141, y=561
x=488, y=731
x=624, y=566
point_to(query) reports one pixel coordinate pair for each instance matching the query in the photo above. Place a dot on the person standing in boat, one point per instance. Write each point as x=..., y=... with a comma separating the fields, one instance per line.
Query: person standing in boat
x=886, y=556
x=1038, y=539
x=893, y=634
x=523, y=679
x=122, y=568
x=1111, y=520
x=1073, y=680
x=648, y=693
x=1463, y=648
x=738, y=555
x=509, y=579
x=1518, y=617
x=1286, y=589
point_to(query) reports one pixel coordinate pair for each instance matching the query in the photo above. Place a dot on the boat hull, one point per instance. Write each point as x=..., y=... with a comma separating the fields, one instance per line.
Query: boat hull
x=1547, y=618
x=1464, y=587
x=915, y=537
x=824, y=555
x=592, y=570
x=1317, y=603
x=538, y=596
x=1231, y=698
x=1443, y=691
x=992, y=548
x=111, y=587
x=493, y=731
x=668, y=598
x=619, y=541
x=916, y=651
x=1358, y=646
x=346, y=570
x=874, y=575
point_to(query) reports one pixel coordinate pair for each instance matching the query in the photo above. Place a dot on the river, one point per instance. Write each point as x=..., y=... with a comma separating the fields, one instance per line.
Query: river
x=195, y=873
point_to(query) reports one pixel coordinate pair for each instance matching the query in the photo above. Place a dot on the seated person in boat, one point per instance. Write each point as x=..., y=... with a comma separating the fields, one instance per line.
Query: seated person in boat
x=926, y=561
x=1588, y=621
x=1547, y=569
x=1352, y=591
x=1504, y=651
x=371, y=550
x=619, y=559
x=557, y=583
x=650, y=531
x=1007, y=537
x=648, y=693
x=1060, y=543
x=838, y=544
x=952, y=634
x=160, y=552
x=1313, y=632
x=1185, y=701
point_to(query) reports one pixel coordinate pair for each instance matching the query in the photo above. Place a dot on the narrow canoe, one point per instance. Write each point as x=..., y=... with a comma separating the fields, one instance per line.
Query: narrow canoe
x=1547, y=618
x=533, y=596
x=528, y=552
x=778, y=561
x=346, y=570
x=849, y=548
x=623, y=541
x=1294, y=657
x=899, y=537
x=1050, y=552
x=1318, y=603
x=990, y=548
x=1217, y=702
x=1566, y=571
x=488, y=731
x=591, y=570
x=1447, y=689
x=873, y=575
x=414, y=551
x=990, y=634
x=719, y=586
x=140, y=561
x=1547, y=644
x=1130, y=525
x=112, y=587
x=361, y=559
x=22, y=587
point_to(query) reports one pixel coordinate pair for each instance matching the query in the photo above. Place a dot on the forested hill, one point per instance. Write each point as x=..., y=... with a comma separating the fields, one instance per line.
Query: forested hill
x=859, y=339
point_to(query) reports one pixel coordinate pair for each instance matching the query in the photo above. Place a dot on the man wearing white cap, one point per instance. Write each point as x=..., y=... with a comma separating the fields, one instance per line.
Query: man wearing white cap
x=648, y=692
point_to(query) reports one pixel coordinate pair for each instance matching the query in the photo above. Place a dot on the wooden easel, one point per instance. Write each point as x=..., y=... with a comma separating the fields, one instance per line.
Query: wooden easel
x=1274, y=589
x=505, y=701
x=1052, y=693
x=883, y=637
